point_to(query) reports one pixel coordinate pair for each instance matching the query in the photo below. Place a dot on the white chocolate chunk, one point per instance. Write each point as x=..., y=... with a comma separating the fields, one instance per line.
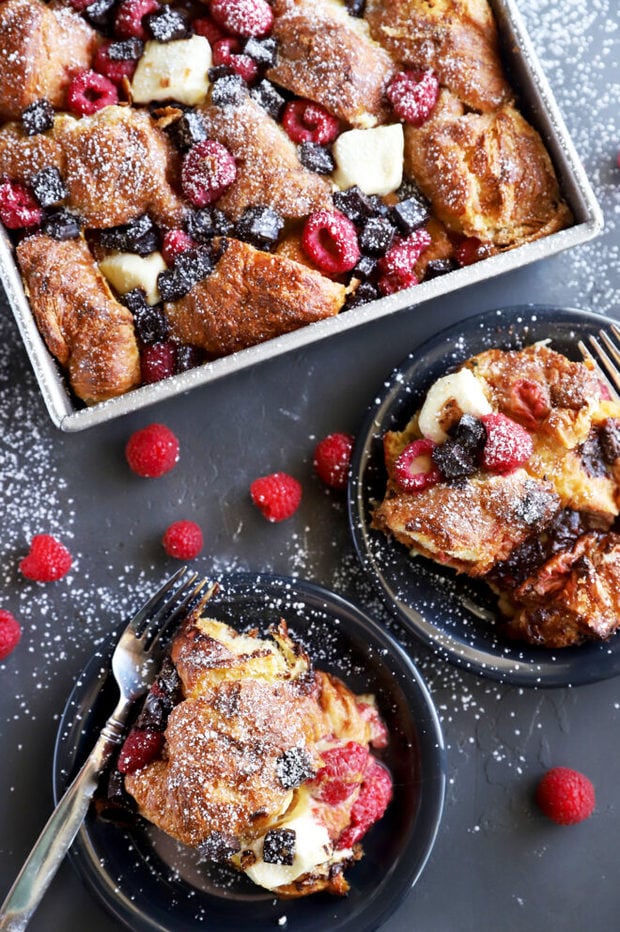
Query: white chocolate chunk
x=312, y=847
x=173, y=70
x=126, y=270
x=448, y=398
x=372, y=159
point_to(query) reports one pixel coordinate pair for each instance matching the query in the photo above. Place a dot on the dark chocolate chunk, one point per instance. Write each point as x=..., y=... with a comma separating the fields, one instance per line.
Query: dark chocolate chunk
x=188, y=357
x=376, y=236
x=269, y=98
x=364, y=293
x=219, y=847
x=260, y=226
x=126, y=50
x=609, y=435
x=293, y=768
x=453, y=460
x=98, y=13
x=316, y=158
x=139, y=235
x=357, y=206
x=48, y=187
x=410, y=214
x=206, y=222
x=229, y=89
x=188, y=130
x=355, y=7
x=189, y=268
x=167, y=25
x=470, y=432
x=279, y=846
x=437, y=267
x=366, y=267
x=591, y=453
x=61, y=224
x=151, y=324
x=38, y=117
x=134, y=299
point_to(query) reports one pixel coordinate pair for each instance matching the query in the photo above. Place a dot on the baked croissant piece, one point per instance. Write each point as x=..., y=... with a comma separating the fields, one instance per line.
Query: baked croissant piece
x=252, y=733
x=83, y=325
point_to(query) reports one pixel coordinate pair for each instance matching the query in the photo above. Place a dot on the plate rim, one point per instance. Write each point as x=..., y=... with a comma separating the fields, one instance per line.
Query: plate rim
x=518, y=663
x=96, y=674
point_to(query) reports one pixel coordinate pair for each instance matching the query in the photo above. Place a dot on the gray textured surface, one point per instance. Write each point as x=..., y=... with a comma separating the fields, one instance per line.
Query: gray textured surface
x=497, y=863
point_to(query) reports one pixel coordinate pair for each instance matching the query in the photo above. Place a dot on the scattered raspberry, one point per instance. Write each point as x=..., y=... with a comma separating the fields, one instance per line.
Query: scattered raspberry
x=332, y=456
x=89, y=92
x=183, y=540
x=141, y=746
x=47, y=561
x=10, y=633
x=277, y=495
x=375, y=794
x=414, y=469
x=472, y=250
x=507, y=446
x=305, y=121
x=116, y=70
x=175, y=242
x=330, y=240
x=413, y=95
x=208, y=170
x=18, y=207
x=243, y=17
x=228, y=52
x=204, y=26
x=157, y=361
x=566, y=796
x=396, y=267
x=152, y=451
x=128, y=23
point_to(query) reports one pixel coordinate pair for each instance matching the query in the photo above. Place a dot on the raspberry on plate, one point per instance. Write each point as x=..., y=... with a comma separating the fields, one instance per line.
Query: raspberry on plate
x=18, y=207
x=507, y=446
x=332, y=456
x=208, y=170
x=277, y=495
x=141, y=746
x=152, y=451
x=183, y=540
x=415, y=470
x=375, y=794
x=129, y=18
x=89, y=92
x=243, y=17
x=566, y=796
x=330, y=240
x=10, y=633
x=305, y=121
x=157, y=361
x=47, y=561
x=413, y=95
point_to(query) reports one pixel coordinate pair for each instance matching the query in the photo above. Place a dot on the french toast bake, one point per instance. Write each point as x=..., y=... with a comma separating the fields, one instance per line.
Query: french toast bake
x=510, y=473
x=215, y=173
x=246, y=752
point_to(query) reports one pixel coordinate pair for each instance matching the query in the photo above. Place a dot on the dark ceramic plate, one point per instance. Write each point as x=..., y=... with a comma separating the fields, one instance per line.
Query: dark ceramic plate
x=148, y=882
x=450, y=613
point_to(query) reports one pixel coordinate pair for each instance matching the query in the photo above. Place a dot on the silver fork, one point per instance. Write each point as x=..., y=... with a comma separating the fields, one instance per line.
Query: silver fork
x=135, y=663
x=605, y=355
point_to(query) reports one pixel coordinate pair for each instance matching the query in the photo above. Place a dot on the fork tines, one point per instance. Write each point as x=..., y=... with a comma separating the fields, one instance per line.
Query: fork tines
x=605, y=355
x=156, y=618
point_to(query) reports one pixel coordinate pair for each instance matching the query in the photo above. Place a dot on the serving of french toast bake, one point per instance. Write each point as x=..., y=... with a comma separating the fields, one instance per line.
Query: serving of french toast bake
x=184, y=180
x=246, y=752
x=509, y=472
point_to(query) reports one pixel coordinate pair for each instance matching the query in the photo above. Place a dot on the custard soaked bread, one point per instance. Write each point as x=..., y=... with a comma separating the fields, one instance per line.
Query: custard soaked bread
x=510, y=472
x=263, y=761
x=375, y=146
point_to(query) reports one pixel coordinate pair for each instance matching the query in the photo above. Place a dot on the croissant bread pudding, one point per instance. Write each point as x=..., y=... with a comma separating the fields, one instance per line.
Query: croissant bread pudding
x=510, y=472
x=183, y=180
x=246, y=752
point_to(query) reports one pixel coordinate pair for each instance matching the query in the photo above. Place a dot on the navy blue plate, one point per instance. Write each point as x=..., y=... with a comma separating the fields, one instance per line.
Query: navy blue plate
x=149, y=882
x=452, y=614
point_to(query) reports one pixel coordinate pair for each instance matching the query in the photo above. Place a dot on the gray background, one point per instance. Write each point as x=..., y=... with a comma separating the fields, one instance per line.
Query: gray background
x=497, y=863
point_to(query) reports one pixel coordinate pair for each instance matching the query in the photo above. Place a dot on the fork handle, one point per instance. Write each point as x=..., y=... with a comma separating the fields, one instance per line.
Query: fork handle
x=61, y=828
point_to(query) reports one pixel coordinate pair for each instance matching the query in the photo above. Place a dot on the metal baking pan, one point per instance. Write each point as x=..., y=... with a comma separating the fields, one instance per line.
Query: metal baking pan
x=538, y=105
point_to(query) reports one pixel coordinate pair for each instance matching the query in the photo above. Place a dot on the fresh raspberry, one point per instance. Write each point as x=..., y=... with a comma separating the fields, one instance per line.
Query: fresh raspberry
x=305, y=121
x=375, y=794
x=47, y=561
x=529, y=401
x=128, y=23
x=183, y=540
x=471, y=250
x=414, y=469
x=396, y=267
x=507, y=446
x=89, y=92
x=243, y=17
x=330, y=240
x=277, y=495
x=80, y=5
x=18, y=207
x=227, y=52
x=413, y=95
x=332, y=456
x=175, y=242
x=152, y=451
x=157, y=361
x=208, y=170
x=566, y=796
x=114, y=69
x=141, y=746
x=204, y=26
x=345, y=762
x=10, y=633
